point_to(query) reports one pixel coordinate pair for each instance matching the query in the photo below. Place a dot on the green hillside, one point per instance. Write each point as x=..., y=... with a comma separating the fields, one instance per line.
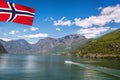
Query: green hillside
x=108, y=44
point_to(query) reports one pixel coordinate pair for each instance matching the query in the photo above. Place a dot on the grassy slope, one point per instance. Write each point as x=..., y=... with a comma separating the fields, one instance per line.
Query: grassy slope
x=107, y=44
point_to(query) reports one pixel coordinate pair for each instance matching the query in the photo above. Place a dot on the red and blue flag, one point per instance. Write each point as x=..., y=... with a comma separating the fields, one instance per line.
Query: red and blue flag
x=11, y=12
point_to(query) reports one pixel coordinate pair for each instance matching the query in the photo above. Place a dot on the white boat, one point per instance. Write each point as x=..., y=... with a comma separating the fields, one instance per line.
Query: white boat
x=68, y=62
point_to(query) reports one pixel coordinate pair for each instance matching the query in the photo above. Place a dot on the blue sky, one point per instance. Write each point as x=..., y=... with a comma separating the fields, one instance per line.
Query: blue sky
x=57, y=18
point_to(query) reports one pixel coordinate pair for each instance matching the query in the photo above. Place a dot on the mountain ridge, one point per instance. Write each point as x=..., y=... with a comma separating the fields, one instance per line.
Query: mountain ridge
x=42, y=46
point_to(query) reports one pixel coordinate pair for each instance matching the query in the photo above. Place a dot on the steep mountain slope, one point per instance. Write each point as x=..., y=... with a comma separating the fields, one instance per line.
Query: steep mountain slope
x=2, y=49
x=43, y=45
x=64, y=49
x=17, y=46
x=51, y=45
x=107, y=44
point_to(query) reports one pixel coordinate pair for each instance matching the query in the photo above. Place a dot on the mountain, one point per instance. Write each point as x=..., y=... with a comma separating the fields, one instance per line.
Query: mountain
x=107, y=45
x=68, y=43
x=51, y=45
x=2, y=49
x=17, y=46
x=43, y=45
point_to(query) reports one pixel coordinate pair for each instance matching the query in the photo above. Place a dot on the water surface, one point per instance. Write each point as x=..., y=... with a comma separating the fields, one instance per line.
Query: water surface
x=29, y=67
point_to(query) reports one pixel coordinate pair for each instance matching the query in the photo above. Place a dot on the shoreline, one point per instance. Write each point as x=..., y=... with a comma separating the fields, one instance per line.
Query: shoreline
x=97, y=56
x=102, y=56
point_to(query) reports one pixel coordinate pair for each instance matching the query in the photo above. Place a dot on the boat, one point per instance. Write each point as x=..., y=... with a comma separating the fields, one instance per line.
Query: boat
x=68, y=61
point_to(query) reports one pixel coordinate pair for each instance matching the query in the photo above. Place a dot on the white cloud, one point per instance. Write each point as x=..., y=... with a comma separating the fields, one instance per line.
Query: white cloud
x=100, y=8
x=113, y=12
x=62, y=22
x=92, y=21
x=110, y=9
x=20, y=36
x=13, y=32
x=107, y=15
x=31, y=29
x=39, y=35
x=113, y=28
x=5, y=39
x=58, y=29
x=24, y=30
x=84, y=23
x=93, y=31
x=34, y=28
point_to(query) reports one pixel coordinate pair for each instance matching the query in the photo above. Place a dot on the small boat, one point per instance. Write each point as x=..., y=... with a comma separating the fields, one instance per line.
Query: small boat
x=68, y=62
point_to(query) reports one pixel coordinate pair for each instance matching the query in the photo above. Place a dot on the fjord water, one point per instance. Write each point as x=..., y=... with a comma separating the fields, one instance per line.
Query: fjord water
x=30, y=67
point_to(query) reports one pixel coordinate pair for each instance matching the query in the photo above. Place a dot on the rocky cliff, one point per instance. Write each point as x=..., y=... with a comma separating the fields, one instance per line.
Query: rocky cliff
x=2, y=49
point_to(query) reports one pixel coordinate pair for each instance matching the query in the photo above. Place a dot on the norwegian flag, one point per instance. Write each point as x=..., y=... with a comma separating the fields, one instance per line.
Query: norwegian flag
x=10, y=12
x=2, y=0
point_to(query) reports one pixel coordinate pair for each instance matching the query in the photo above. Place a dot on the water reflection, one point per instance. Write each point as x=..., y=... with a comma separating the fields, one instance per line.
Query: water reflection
x=3, y=62
x=30, y=62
